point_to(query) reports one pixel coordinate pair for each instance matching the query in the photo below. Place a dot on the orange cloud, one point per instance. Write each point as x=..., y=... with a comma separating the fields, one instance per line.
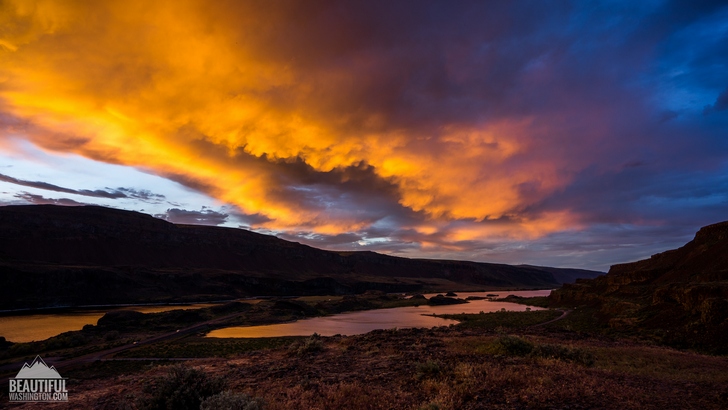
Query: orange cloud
x=211, y=93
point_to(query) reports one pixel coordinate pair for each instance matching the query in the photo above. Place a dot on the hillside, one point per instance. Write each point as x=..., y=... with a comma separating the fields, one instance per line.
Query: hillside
x=680, y=296
x=60, y=256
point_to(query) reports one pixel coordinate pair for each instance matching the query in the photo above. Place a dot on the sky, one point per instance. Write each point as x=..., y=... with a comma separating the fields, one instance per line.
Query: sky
x=560, y=133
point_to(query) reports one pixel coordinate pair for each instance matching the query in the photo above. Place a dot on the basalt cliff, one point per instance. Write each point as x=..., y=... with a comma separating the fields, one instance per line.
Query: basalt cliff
x=679, y=296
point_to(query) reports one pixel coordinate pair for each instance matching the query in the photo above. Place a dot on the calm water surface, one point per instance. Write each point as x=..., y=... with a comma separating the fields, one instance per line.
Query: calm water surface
x=27, y=328
x=352, y=323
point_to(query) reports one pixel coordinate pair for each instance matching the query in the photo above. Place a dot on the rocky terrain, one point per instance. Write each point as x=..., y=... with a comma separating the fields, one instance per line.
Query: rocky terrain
x=680, y=296
x=506, y=363
x=70, y=256
x=499, y=360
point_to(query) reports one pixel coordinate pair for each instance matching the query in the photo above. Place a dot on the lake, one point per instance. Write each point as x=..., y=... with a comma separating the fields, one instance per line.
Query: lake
x=30, y=327
x=351, y=323
x=27, y=328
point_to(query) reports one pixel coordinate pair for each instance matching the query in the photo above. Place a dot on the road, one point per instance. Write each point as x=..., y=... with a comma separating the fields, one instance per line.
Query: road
x=9, y=370
x=564, y=314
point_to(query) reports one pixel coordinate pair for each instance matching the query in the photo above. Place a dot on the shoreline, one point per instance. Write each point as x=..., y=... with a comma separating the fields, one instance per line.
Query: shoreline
x=51, y=309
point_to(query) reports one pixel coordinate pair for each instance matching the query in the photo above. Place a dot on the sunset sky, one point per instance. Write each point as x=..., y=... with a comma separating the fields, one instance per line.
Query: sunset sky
x=574, y=134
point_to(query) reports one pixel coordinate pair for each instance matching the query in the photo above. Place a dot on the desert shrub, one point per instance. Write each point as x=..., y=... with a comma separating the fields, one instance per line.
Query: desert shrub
x=582, y=356
x=359, y=395
x=4, y=343
x=112, y=335
x=515, y=346
x=311, y=345
x=181, y=388
x=565, y=353
x=63, y=341
x=550, y=351
x=228, y=400
x=230, y=307
x=121, y=319
x=429, y=369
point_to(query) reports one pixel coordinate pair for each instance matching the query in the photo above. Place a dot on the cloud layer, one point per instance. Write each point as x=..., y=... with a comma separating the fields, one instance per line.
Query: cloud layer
x=108, y=193
x=409, y=126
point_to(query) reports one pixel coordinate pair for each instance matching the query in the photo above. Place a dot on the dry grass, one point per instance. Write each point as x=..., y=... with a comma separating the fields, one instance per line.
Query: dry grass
x=342, y=395
x=426, y=370
x=456, y=368
x=663, y=363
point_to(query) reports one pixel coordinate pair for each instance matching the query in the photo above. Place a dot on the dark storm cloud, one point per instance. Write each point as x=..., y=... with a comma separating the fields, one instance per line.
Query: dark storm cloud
x=579, y=83
x=323, y=241
x=50, y=187
x=416, y=64
x=144, y=195
x=597, y=247
x=641, y=193
x=201, y=217
x=360, y=241
x=41, y=200
x=345, y=190
x=464, y=129
x=249, y=220
x=108, y=193
x=721, y=103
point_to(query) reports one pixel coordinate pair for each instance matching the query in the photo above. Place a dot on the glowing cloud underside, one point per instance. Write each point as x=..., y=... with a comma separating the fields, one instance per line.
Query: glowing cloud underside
x=316, y=117
x=205, y=96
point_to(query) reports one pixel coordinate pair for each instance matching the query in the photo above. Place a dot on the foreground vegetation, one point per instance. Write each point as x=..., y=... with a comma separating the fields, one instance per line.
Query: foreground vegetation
x=446, y=368
x=501, y=360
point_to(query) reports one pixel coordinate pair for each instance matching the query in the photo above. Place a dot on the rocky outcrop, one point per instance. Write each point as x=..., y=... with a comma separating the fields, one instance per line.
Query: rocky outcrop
x=683, y=292
x=440, y=300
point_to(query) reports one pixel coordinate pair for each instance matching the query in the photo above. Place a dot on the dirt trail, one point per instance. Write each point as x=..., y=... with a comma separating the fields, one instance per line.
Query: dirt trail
x=564, y=314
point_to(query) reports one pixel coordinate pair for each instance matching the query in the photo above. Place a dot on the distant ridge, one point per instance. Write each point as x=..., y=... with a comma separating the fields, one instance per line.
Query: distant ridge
x=567, y=275
x=66, y=256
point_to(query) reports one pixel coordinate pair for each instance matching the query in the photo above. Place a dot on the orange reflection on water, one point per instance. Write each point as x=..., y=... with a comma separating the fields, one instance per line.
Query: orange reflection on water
x=28, y=328
x=353, y=323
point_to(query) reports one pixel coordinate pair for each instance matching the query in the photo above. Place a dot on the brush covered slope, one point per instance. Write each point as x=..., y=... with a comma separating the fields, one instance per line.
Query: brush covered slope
x=679, y=297
x=68, y=256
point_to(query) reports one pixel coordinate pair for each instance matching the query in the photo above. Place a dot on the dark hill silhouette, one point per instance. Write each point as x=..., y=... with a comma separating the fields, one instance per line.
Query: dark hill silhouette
x=567, y=275
x=681, y=295
x=52, y=255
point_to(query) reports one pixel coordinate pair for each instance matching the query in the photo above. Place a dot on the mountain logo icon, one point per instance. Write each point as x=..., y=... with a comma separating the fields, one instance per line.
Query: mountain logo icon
x=38, y=382
x=38, y=369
